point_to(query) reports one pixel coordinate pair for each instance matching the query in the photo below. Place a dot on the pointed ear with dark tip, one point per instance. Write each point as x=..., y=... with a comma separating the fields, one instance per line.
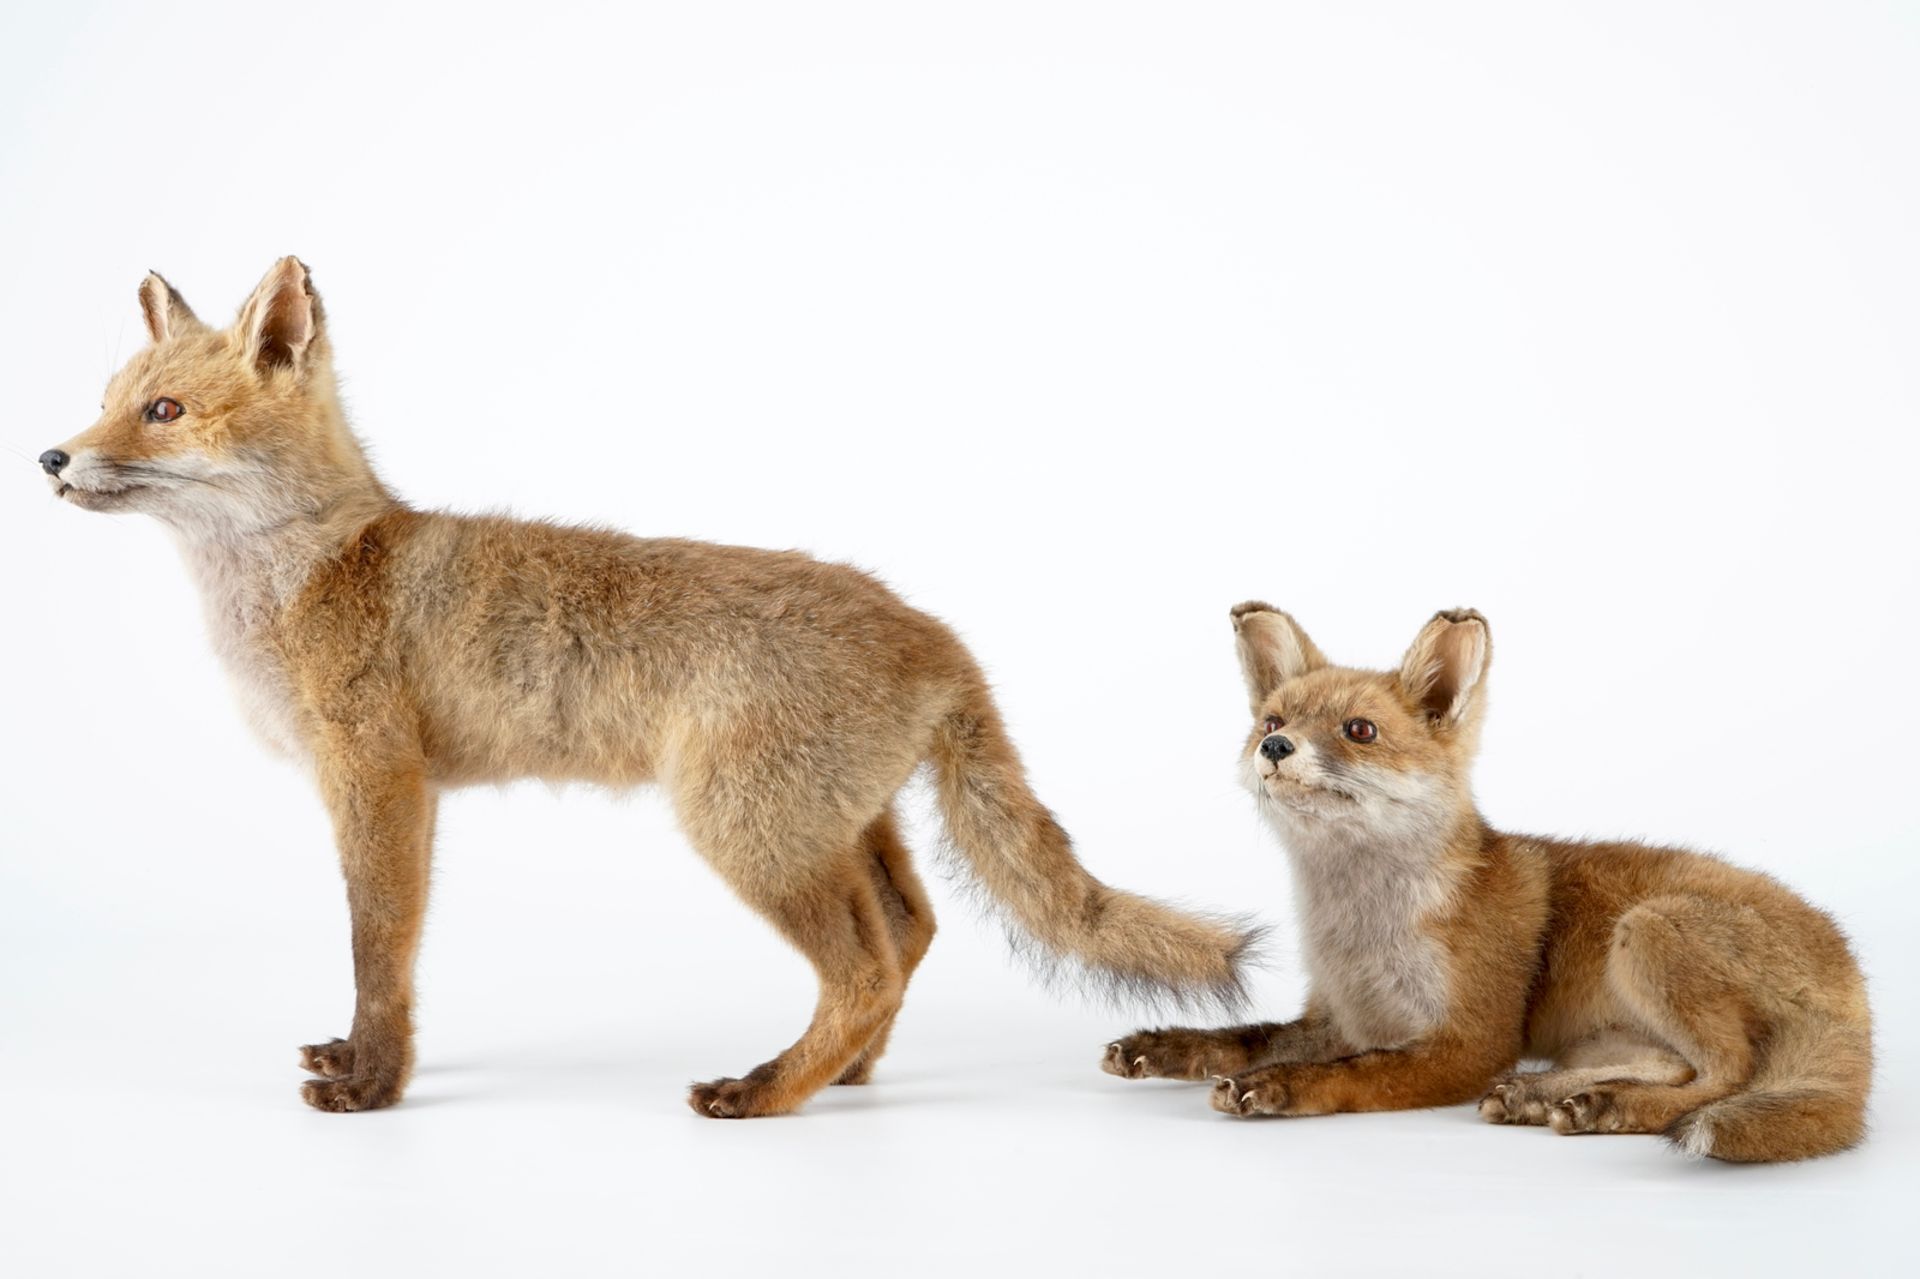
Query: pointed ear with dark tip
x=281, y=323
x=1445, y=670
x=1273, y=649
x=165, y=311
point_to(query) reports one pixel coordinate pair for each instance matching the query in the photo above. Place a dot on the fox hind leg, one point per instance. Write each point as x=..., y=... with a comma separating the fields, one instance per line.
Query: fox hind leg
x=841, y=927
x=809, y=874
x=1677, y=963
x=909, y=913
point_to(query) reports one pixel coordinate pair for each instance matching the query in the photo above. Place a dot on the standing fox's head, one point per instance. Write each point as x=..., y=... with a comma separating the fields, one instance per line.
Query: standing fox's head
x=219, y=432
x=1337, y=754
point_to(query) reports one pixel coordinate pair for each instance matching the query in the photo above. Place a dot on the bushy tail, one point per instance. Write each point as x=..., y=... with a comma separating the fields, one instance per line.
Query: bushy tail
x=1134, y=946
x=1808, y=1098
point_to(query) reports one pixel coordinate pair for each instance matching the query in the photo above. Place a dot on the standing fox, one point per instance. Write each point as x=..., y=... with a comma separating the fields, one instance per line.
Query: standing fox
x=397, y=653
x=1672, y=992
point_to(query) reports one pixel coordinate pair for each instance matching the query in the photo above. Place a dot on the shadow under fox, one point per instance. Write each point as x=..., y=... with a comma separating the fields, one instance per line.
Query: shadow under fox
x=398, y=652
x=1673, y=993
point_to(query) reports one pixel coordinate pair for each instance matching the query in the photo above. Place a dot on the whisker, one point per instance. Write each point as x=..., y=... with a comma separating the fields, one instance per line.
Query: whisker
x=147, y=471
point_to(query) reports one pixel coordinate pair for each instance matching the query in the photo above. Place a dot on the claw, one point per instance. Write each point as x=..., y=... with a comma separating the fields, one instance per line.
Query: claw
x=1227, y=1097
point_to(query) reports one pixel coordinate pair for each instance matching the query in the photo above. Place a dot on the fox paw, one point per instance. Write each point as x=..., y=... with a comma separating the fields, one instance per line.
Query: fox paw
x=1590, y=1111
x=1162, y=1054
x=342, y=1095
x=1248, y=1096
x=331, y=1060
x=736, y=1098
x=1513, y=1102
x=1124, y=1059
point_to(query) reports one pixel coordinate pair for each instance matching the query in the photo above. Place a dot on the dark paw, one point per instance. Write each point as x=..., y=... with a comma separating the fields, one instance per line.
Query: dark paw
x=1513, y=1101
x=733, y=1099
x=1589, y=1111
x=342, y=1095
x=1248, y=1096
x=1124, y=1058
x=1161, y=1054
x=331, y=1060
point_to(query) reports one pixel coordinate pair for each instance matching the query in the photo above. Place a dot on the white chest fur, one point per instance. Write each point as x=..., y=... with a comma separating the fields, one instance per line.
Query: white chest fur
x=243, y=589
x=1364, y=909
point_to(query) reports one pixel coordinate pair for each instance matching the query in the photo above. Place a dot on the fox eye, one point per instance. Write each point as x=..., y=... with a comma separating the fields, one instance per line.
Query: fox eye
x=1274, y=724
x=164, y=410
x=1361, y=730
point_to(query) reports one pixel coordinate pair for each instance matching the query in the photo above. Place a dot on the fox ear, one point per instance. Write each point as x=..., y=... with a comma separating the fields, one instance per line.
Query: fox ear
x=1273, y=649
x=1445, y=670
x=281, y=323
x=165, y=311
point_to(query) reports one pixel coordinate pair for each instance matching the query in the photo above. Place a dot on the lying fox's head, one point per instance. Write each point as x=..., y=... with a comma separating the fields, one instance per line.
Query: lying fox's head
x=219, y=431
x=1335, y=751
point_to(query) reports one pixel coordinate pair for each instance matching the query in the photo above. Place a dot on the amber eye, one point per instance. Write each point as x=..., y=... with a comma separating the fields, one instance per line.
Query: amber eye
x=1274, y=724
x=164, y=410
x=1361, y=730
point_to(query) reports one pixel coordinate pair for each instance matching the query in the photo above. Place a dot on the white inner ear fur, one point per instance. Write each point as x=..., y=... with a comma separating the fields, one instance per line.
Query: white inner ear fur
x=279, y=316
x=1445, y=666
x=283, y=321
x=1272, y=651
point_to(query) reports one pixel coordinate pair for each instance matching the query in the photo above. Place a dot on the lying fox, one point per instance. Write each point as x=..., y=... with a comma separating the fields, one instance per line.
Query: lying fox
x=1672, y=992
x=397, y=653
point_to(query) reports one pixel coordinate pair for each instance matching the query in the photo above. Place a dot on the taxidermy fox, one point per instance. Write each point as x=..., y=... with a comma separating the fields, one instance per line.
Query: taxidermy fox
x=1672, y=992
x=397, y=653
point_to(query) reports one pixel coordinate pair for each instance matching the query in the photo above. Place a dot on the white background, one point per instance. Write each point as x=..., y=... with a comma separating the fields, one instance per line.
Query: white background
x=1077, y=324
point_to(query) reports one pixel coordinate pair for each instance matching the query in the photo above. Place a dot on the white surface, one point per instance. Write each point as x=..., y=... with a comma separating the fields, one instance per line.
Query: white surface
x=1078, y=325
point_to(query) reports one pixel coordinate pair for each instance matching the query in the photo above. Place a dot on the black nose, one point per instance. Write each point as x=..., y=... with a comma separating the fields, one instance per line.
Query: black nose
x=52, y=460
x=1276, y=748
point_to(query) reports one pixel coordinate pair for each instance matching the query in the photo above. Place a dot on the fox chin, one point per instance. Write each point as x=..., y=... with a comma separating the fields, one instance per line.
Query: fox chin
x=397, y=653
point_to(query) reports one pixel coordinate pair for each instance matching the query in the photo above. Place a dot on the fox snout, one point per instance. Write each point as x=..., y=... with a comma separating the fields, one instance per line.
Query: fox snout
x=54, y=460
x=1276, y=747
